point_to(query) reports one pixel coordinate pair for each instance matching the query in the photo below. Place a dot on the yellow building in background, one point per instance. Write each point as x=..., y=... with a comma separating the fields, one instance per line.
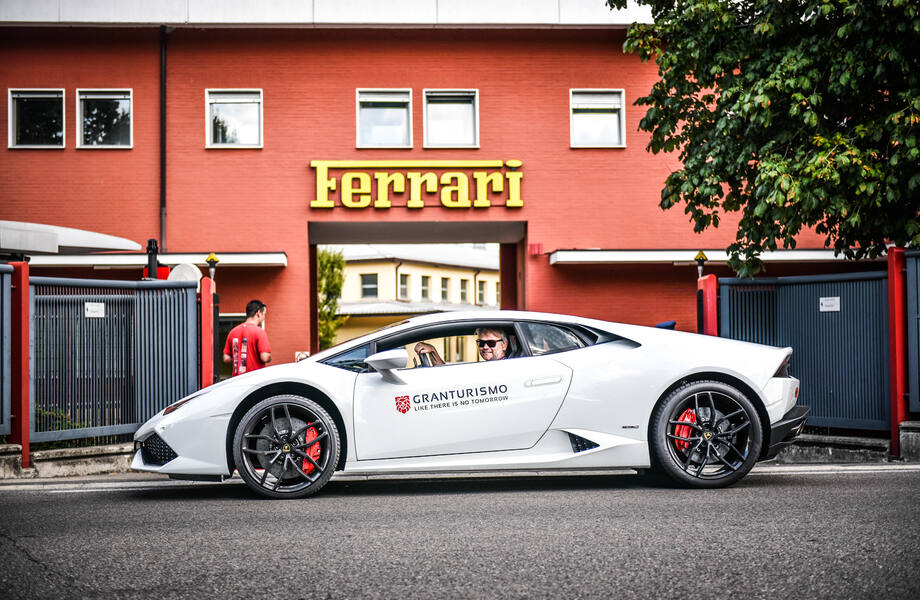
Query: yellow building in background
x=385, y=283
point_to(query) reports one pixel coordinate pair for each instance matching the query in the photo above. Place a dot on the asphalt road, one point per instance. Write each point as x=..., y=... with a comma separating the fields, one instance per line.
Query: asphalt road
x=780, y=533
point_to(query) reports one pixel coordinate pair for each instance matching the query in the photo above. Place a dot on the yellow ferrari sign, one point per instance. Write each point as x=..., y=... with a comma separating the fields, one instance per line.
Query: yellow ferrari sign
x=452, y=183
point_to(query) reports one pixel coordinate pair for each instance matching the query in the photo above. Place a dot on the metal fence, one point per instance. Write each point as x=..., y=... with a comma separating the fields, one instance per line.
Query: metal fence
x=108, y=355
x=6, y=356
x=912, y=260
x=837, y=326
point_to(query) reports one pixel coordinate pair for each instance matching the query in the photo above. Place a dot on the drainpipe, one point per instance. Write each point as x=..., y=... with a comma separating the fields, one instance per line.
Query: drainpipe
x=162, y=138
x=399, y=264
x=476, y=288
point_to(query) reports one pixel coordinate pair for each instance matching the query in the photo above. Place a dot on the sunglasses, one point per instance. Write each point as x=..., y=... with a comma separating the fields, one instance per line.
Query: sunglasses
x=489, y=343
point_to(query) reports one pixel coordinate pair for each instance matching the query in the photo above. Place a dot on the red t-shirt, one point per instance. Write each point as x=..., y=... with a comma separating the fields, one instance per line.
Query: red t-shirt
x=244, y=345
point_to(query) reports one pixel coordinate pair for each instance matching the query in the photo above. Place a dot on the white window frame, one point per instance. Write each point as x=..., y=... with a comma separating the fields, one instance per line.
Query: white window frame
x=208, y=133
x=404, y=289
x=464, y=291
x=481, y=292
x=621, y=112
x=426, y=287
x=11, y=138
x=79, y=118
x=445, y=289
x=382, y=91
x=364, y=286
x=473, y=93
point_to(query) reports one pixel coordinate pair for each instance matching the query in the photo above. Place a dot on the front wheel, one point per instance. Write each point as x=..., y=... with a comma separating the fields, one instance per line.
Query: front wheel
x=286, y=447
x=705, y=434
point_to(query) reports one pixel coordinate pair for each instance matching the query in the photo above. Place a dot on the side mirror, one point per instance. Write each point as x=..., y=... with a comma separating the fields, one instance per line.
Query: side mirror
x=387, y=361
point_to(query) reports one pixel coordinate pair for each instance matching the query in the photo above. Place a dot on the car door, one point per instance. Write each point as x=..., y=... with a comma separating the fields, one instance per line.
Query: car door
x=458, y=408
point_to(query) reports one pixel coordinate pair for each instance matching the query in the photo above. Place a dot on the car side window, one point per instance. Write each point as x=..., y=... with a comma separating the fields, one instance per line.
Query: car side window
x=543, y=338
x=352, y=360
x=456, y=344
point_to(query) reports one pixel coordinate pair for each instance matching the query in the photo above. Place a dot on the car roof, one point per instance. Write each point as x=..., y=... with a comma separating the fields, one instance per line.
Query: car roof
x=459, y=317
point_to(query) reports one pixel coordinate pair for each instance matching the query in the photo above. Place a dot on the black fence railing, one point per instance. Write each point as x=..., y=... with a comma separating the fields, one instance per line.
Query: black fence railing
x=6, y=277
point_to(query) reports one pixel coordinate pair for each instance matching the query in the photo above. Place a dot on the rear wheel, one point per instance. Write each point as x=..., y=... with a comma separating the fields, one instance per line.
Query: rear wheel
x=286, y=447
x=705, y=434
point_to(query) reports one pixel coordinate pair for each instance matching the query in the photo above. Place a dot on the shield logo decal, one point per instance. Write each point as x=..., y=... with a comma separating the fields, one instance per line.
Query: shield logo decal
x=402, y=404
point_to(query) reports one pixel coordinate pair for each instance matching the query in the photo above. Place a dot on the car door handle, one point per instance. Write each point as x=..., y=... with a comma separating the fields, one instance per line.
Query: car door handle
x=542, y=381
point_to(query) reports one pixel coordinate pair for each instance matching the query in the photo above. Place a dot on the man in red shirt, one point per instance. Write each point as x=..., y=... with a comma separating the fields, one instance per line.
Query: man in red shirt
x=247, y=345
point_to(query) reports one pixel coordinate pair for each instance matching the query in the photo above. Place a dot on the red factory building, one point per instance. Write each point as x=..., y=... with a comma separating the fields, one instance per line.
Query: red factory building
x=260, y=133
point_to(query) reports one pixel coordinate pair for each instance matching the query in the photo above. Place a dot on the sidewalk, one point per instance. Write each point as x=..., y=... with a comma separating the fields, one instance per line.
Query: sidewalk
x=116, y=459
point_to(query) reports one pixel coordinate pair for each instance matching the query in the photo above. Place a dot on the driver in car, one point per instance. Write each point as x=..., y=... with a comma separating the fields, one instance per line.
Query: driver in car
x=492, y=346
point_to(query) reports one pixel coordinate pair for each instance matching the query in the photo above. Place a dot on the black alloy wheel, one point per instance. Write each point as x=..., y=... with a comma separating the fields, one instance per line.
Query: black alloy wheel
x=286, y=447
x=705, y=434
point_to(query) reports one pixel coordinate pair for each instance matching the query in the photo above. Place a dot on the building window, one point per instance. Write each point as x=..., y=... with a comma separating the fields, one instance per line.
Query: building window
x=451, y=119
x=384, y=118
x=36, y=118
x=234, y=119
x=481, y=293
x=104, y=119
x=498, y=294
x=426, y=283
x=445, y=289
x=597, y=119
x=404, y=286
x=464, y=284
x=369, y=285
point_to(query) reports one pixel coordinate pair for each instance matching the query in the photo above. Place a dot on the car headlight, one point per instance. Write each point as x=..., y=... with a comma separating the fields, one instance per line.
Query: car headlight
x=176, y=405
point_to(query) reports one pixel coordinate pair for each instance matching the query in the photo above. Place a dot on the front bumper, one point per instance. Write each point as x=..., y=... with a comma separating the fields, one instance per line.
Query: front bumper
x=784, y=431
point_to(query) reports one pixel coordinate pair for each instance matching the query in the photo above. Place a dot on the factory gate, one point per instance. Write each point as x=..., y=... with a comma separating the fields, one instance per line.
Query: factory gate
x=837, y=326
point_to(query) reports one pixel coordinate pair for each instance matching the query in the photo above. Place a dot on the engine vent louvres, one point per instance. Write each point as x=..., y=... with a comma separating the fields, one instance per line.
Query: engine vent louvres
x=580, y=444
x=157, y=452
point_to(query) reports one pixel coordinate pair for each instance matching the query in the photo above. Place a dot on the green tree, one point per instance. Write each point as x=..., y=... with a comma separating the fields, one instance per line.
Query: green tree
x=798, y=113
x=330, y=275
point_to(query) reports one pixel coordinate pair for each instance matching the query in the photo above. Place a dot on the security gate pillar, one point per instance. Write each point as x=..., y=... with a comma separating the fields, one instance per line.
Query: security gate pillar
x=897, y=343
x=19, y=368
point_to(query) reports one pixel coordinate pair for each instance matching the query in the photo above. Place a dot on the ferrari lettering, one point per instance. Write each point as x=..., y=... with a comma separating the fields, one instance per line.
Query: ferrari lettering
x=477, y=183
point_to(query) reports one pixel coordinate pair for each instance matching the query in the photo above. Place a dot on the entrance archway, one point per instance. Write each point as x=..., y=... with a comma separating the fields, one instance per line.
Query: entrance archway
x=510, y=236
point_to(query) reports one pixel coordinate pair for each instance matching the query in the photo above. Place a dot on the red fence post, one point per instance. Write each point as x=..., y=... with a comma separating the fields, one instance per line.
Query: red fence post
x=206, y=331
x=313, y=301
x=897, y=343
x=19, y=303
x=707, y=292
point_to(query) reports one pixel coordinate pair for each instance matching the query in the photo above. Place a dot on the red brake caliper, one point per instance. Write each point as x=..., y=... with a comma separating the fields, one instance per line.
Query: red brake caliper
x=313, y=451
x=684, y=431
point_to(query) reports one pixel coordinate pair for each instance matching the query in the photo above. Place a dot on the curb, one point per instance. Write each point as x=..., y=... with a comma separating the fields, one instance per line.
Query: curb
x=114, y=459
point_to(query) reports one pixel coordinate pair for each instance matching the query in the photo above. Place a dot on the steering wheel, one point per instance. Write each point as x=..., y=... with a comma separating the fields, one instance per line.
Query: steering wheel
x=426, y=359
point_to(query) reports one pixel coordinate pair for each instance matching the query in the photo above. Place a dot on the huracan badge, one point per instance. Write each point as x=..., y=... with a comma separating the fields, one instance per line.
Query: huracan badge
x=402, y=404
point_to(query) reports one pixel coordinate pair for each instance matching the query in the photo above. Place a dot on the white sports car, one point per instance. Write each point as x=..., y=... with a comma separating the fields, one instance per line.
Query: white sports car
x=555, y=392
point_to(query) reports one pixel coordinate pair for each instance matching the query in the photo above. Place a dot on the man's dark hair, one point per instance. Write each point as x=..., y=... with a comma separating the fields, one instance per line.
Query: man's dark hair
x=253, y=307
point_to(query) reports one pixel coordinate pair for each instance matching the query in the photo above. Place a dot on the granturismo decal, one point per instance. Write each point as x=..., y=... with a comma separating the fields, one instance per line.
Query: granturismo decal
x=409, y=183
x=458, y=397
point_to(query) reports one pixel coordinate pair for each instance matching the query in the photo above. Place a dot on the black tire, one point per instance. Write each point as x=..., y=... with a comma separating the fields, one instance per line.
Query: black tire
x=716, y=446
x=273, y=453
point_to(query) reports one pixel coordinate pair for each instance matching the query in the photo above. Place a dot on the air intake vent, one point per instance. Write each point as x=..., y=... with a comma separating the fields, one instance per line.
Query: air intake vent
x=580, y=444
x=157, y=452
